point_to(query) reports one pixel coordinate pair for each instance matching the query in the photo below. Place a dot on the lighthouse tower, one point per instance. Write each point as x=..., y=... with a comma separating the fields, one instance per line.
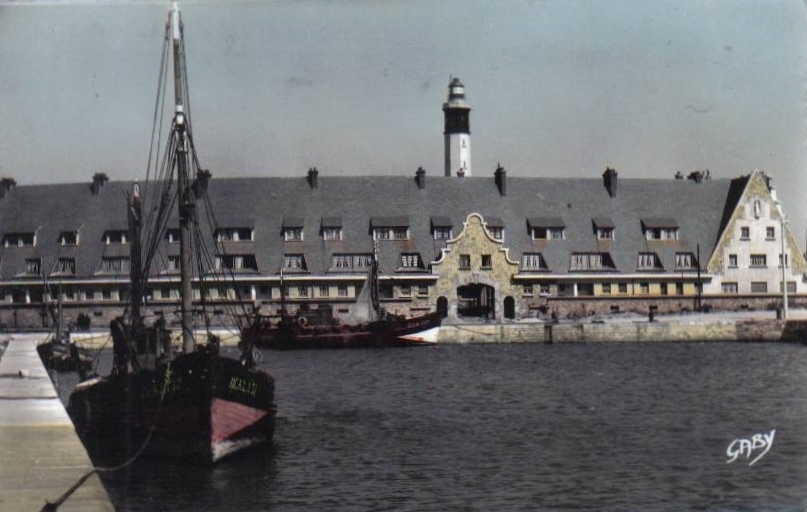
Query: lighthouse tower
x=457, y=131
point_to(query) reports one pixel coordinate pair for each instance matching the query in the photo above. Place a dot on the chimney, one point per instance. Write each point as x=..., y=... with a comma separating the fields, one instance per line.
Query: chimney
x=200, y=183
x=6, y=184
x=500, y=177
x=98, y=181
x=609, y=180
x=420, y=178
x=312, y=177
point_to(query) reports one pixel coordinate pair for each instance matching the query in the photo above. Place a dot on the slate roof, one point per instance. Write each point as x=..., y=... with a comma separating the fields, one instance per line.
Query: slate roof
x=361, y=202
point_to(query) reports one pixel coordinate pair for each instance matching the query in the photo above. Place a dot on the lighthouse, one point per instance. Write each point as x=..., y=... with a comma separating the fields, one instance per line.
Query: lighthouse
x=457, y=130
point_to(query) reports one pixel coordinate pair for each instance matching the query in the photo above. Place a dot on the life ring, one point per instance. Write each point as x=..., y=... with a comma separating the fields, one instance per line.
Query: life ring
x=302, y=321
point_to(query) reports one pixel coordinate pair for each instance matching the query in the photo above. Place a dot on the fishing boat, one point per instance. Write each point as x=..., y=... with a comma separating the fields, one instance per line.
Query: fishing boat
x=191, y=403
x=369, y=326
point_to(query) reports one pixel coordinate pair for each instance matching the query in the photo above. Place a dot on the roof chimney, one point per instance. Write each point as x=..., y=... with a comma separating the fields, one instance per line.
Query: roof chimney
x=609, y=180
x=500, y=177
x=420, y=178
x=6, y=184
x=312, y=177
x=200, y=183
x=98, y=181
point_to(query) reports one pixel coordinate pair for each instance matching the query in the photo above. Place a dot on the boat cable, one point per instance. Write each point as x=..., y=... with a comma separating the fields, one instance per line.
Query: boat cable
x=54, y=506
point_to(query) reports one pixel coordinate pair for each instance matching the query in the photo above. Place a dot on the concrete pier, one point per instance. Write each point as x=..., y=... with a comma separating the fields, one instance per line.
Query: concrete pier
x=41, y=456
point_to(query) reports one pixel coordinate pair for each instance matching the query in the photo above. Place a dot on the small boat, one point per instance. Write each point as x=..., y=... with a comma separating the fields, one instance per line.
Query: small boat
x=370, y=326
x=195, y=403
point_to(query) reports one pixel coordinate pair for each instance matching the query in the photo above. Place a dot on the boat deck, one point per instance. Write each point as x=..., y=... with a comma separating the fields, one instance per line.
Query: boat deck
x=42, y=456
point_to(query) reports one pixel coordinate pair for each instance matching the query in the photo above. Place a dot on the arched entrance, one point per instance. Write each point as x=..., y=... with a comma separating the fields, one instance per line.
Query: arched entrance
x=477, y=300
x=442, y=307
x=509, y=307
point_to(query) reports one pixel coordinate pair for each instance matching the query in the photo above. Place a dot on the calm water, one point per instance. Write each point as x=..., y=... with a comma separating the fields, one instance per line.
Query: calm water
x=601, y=427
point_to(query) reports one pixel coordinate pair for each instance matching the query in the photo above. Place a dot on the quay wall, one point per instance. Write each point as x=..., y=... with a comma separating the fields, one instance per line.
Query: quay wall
x=639, y=331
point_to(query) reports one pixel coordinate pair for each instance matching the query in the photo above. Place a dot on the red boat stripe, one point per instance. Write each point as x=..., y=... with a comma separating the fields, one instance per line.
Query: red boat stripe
x=227, y=418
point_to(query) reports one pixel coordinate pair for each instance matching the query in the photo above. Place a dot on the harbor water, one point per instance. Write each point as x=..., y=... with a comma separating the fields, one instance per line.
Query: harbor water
x=565, y=427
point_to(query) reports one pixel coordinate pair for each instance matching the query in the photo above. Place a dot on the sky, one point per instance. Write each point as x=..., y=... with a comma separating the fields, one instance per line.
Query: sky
x=559, y=88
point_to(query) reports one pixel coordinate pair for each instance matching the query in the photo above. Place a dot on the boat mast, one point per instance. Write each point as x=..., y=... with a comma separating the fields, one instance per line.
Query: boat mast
x=135, y=256
x=185, y=199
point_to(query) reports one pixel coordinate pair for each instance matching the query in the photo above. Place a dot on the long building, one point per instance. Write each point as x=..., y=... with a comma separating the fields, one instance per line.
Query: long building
x=499, y=247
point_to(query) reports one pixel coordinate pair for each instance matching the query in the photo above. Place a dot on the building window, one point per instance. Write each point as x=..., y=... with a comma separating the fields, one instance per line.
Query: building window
x=172, y=263
x=115, y=265
x=539, y=233
x=644, y=288
x=623, y=287
x=391, y=233
x=385, y=291
x=236, y=262
x=791, y=287
x=759, y=287
x=606, y=288
x=19, y=240
x=497, y=233
x=770, y=233
x=423, y=290
x=544, y=289
x=294, y=262
x=759, y=260
x=106, y=294
x=341, y=290
x=679, y=288
x=406, y=291
x=68, y=238
x=235, y=235
x=324, y=291
x=590, y=261
x=527, y=289
x=293, y=234
x=533, y=261
x=33, y=266
x=66, y=266
x=331, y=233
x=605, y=233
x=745, y=233
x=661, y=233
x=410, y=260
x=733, y=260
x=487, y=261
x=118, y=237
x=787, y=261
x=684, y=260
x=302, y=290
x=465, y=261
x=442, y=233
x=172, y=236
x=346, y=261
x=730, y=287
x=648, y=261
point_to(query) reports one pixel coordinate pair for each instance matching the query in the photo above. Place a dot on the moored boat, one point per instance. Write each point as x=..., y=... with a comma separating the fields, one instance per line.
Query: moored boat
x=196, y=403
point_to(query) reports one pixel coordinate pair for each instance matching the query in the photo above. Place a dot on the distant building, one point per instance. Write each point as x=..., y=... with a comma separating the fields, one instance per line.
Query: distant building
x=500, y=247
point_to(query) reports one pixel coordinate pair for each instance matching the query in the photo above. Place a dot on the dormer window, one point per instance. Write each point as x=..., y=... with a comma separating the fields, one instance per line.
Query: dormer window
x=241, y=234
x=116, y=237
x=585, y=261
x=441, y=228
x=660, y=228
x=19, y=240
x=533, y=261
x=68, y=238
x=331, y=228
x=236, y=262
x=33, y=266
x=685, y=261
x=172, y=236
x=546, y=228
x=648, y=261
x=114, y=265
x=294, y=262
x=495, y=227
x=66, y=266
x=350, y=261
x=411, y=261
x=390, y=228
x=293, y=229
x=603, y=227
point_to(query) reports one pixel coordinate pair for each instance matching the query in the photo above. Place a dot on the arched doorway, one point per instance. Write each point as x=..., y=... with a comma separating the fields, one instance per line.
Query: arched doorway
x=476, y=300
x=442, y=307
x=509, y=307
